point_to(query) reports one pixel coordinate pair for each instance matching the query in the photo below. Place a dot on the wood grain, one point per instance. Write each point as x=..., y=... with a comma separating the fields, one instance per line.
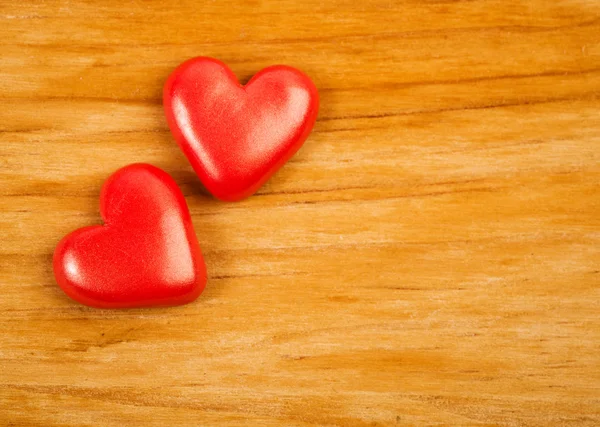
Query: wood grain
x=430, y=257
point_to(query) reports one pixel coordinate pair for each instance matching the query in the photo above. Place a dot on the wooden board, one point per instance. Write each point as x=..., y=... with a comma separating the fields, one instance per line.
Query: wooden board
x=430, y=257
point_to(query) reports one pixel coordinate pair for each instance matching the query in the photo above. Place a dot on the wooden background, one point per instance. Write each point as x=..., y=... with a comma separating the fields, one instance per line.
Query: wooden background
x=430, y=257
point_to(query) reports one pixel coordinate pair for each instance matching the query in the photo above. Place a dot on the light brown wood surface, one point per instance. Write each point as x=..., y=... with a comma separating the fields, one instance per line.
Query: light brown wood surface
x=431, y=256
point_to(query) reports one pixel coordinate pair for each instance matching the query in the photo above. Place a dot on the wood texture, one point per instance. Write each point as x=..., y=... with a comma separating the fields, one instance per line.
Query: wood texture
x=430, y=257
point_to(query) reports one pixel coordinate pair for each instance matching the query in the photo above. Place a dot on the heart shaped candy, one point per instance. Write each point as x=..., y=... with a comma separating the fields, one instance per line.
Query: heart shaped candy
x=235, y=136
x=146, y=253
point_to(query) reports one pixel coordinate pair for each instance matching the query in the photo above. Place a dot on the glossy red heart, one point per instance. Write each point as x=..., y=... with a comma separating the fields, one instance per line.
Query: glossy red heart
x=145, y=254
x=235, y=136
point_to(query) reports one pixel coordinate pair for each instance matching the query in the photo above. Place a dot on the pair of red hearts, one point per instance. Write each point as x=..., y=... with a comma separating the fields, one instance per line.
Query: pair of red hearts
x=235, y=137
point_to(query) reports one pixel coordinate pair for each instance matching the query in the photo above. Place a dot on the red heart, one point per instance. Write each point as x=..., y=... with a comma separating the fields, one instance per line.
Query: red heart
x=146, y=253
x=237, y=136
